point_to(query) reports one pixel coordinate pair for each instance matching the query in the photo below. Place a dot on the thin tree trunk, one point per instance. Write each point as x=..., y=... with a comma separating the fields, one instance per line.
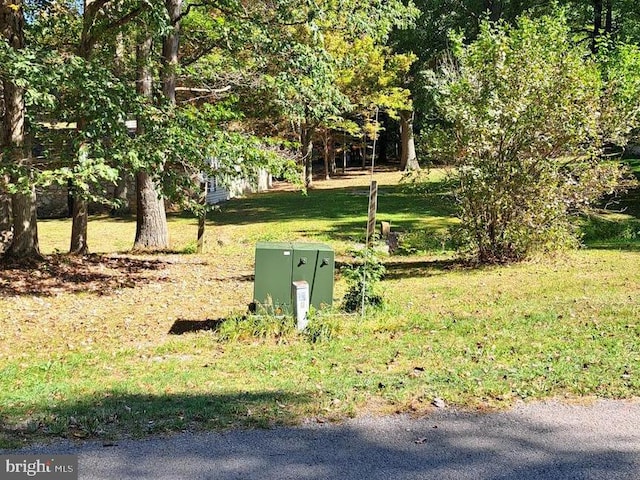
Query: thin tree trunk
x=494, y=7
x=597, y=24
x=170, y=47
x=608, y=22
x=408, y=158
x=333, y=168
x=123, y=206
x=121, y=195
x=80, y=221
x=326, y=139
x=151, y=219
x=79, y=205
x=383, y=138
x=306, y=142
x=23, y=204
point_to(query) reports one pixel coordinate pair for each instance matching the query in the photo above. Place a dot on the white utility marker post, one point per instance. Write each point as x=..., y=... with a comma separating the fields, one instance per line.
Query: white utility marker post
x=301, y=303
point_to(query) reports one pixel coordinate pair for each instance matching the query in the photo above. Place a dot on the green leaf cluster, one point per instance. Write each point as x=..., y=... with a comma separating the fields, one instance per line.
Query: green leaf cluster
x=523, y=105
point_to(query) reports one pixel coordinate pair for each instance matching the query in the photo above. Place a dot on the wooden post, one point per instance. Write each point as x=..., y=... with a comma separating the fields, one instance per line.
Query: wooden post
x=373, y=207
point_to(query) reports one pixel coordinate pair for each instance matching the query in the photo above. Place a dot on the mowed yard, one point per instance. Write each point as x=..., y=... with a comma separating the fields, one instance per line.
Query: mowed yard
x=119, y=344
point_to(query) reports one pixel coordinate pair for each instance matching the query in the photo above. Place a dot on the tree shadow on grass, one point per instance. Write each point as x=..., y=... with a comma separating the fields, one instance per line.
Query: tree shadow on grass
x=99, y=274
x=411, y=268
x=182, y=326
x=112, y=415
x=338, y=204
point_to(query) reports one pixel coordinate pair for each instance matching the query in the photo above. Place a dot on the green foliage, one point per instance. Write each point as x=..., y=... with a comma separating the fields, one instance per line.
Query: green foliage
x=522, y=103
x=248, y=327
x=621, y=100
x=421, y=241
x=599, y=230
x=180, y=145
x=362, y=277
x=322, y=327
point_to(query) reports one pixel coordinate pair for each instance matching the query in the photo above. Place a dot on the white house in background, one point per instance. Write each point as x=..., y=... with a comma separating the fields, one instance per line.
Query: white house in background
x=218, y=191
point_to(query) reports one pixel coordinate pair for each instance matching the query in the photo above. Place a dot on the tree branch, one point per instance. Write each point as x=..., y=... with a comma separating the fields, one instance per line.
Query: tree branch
x=204, y=90
x=125, y=19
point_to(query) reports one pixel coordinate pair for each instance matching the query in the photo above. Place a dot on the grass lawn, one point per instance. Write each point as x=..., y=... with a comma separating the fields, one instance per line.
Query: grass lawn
x=117, y=344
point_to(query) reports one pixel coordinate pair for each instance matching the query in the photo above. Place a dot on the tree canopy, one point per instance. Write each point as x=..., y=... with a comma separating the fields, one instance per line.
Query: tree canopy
x=99, y=92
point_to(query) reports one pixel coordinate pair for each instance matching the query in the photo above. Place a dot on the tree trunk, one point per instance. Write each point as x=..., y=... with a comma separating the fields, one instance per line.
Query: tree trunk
x=121, y=195
x=78, y=206
x=306, y=142
x=124, y=206
x=608, y=22
x=597, y=24
x=80, y=222
x=170, y=47
x=408, y=158
x=494, y=7
x=25, y=226
x=383, y=138
x=6, y=222
x=12, y=140
x=151, y=220
x=326, y=141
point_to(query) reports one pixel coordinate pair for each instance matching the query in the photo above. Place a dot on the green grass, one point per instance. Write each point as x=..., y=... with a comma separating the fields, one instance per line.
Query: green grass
x=101, y=362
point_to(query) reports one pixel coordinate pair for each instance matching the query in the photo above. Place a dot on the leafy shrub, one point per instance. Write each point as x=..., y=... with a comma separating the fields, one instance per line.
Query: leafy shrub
x=190, y=248
x=362, y=277
x=523, y=105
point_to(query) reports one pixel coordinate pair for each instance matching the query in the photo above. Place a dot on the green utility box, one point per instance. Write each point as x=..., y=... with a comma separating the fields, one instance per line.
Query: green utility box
x=279, y=264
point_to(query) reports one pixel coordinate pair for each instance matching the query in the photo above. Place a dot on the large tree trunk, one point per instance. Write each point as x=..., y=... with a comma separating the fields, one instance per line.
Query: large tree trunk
x=408, y=158
x=151, y=220
x=25, y=226
x=306, y=141
x=151, y=224
x=12, y=140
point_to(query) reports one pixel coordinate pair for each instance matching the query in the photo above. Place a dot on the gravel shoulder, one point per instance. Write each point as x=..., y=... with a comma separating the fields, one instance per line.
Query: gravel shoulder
x=550, y=440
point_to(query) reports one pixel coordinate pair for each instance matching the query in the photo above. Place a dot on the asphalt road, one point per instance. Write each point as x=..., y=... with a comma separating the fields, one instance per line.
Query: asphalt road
x=600, y=441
